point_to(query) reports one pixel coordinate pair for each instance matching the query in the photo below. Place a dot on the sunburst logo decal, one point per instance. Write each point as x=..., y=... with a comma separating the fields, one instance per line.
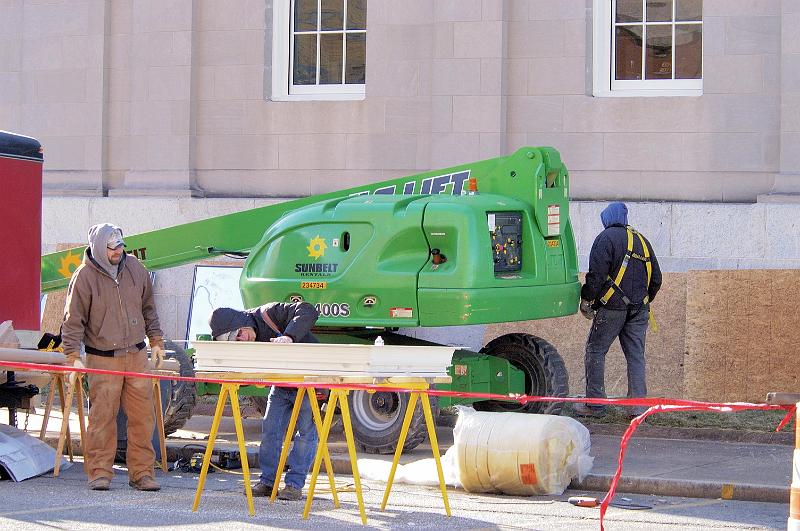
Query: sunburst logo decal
x=68, y=264
x=316, y=248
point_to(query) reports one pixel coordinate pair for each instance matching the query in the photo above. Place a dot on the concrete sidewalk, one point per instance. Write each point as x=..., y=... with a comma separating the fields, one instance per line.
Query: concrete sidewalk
x=659, y=466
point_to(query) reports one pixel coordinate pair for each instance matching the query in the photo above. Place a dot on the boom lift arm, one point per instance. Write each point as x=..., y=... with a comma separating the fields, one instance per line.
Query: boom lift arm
x=240, y=232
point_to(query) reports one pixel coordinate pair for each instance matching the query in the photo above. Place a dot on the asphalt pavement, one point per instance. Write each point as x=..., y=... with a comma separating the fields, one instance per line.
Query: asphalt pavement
x=47, y=503
x=655, y=468
x=661, y=466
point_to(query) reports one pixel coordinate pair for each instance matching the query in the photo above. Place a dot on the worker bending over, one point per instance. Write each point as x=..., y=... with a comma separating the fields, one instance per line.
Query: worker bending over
x=277, y=323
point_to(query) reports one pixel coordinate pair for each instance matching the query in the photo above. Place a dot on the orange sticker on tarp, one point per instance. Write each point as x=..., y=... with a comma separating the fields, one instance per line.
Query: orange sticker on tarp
x=527, y=474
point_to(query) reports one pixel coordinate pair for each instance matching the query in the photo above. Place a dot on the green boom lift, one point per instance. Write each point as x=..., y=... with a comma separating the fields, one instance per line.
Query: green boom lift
x=484, y=242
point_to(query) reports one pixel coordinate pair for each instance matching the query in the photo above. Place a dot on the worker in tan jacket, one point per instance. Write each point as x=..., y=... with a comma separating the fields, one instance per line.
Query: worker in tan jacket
x=110, y=308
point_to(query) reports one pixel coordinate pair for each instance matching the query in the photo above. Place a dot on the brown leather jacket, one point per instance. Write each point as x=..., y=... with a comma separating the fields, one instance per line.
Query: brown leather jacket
x=110, y=315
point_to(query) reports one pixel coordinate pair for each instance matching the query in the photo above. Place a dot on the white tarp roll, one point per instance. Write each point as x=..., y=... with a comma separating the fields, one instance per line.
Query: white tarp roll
x=519, y=453
x=509, y=453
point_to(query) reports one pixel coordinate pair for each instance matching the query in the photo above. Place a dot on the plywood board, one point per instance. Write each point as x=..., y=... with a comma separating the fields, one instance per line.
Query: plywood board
x=664, y=349
x=742, y=336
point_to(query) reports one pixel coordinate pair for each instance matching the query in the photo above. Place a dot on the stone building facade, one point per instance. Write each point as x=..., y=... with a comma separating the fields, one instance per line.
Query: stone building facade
x=181, y=109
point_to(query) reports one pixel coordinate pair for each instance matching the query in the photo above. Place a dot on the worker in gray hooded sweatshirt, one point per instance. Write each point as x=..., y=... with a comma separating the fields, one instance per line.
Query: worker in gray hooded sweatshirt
x=110, y=309
x=622, y=281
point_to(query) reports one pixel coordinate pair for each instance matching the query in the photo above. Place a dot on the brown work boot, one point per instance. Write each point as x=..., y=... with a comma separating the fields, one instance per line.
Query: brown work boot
x=290, y=493
x=145, y=483
x=583, y=410
x=260, y=489
x=100, y=484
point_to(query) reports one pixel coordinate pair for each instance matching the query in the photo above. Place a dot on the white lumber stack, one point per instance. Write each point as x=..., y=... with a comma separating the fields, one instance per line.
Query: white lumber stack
x=323, y=359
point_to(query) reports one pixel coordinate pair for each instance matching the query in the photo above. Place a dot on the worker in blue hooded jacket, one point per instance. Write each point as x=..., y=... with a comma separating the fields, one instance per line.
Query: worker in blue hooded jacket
x=622, y=281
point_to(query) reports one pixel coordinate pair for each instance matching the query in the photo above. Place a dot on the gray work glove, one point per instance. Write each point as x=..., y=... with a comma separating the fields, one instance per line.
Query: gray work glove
x=586, y=309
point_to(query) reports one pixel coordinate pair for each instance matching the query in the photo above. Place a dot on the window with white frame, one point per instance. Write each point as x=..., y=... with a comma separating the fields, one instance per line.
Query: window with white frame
x=319, y=49
x=648, y=47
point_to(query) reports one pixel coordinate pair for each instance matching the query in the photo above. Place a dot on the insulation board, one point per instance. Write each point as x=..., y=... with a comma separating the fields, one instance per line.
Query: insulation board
x=323, y=359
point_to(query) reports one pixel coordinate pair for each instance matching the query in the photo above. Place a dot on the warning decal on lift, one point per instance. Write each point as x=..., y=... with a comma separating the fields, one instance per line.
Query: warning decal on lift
x=401, y=312
x=553, y=220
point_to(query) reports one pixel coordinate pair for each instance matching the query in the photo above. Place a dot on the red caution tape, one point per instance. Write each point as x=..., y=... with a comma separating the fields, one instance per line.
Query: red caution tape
x=655, y=405
x=657, y=408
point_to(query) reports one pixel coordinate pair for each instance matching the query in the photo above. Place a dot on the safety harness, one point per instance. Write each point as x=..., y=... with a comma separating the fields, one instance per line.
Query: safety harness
x=617, y=281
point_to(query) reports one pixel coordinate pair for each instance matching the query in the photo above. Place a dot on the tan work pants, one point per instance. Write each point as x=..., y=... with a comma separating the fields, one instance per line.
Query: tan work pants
x=106, y=392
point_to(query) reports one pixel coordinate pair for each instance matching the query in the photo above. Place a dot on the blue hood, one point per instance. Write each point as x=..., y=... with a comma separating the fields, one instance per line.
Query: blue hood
x=614, y=214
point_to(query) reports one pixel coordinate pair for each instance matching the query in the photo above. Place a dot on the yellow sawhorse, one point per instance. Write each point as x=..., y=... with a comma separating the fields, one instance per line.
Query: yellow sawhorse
x=226, y=390
x=418, y=387
x=231, y=391
x=418, y=392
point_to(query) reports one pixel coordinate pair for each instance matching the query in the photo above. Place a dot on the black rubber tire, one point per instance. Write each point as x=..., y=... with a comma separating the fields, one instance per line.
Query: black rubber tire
x=378, y=418
x=545, y=373
x=259, y=403
x=183, y=395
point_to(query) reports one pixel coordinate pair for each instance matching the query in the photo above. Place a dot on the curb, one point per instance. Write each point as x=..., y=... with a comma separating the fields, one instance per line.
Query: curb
x=593, y=482
x=685, y=488
x=645, y=431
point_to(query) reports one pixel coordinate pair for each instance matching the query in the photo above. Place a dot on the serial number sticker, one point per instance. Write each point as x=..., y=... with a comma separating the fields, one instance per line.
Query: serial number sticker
x=553, y=243
x=313, y=285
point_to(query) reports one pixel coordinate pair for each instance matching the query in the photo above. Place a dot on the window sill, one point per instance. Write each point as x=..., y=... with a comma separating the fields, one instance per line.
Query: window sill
x=318, y=97
x=647, y=93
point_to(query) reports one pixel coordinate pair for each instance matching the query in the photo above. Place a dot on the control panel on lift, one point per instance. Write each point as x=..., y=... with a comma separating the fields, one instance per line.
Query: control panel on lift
x=505, y=229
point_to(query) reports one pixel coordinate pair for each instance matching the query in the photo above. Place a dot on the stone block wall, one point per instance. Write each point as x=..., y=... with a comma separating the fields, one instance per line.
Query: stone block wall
x=174, y=99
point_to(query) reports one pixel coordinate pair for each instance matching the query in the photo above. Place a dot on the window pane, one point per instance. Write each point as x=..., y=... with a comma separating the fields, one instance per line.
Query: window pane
x=658, y=60
x=355, y=69
x=305, y=15
x=305, y=60
x=332, y=14
x=330, y=59
x=356, y=14
x=629, y=11
x=688, y=51
x=689, y=10
x=628, y=64
x=659, y=10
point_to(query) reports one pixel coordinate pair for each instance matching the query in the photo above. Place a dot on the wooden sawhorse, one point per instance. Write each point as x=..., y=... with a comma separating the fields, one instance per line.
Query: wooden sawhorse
x=57, y=381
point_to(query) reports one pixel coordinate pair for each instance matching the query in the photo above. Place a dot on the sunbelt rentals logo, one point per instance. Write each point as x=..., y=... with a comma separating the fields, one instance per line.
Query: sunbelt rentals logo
x=316, y=250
